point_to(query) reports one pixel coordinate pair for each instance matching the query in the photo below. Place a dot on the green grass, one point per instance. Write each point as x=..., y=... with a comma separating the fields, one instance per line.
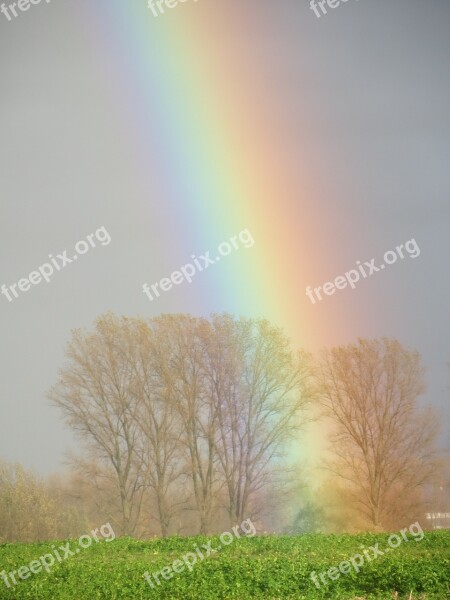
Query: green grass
x=270, y=567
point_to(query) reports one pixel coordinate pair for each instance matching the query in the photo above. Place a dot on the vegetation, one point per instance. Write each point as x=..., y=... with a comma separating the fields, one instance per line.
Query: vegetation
x=183, y=418
x=270, y=567
x=186, y=424
x=382, y=443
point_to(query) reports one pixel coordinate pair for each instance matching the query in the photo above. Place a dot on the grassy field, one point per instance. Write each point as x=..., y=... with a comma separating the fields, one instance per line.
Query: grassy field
x=270, y=567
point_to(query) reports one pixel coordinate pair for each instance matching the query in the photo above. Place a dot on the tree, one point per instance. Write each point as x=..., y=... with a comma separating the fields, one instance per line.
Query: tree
x=188, y=392
x=239, y=391
x=382, y=442
x=309, y=519
x=158, y=447
x=94, y=395
x=259, y=389
x=32, y=509
x=183, y=412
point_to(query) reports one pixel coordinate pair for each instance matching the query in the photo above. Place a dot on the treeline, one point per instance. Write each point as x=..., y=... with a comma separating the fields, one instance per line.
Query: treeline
x=187, y=424
x=33, y=509
x=187, y=415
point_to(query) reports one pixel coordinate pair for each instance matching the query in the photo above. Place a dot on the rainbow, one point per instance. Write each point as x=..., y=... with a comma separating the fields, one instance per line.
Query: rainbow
x=203, y=126
x=203, y=130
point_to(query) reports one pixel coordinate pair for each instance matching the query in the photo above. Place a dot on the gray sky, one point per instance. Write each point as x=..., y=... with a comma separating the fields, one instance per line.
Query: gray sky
x=375, y=136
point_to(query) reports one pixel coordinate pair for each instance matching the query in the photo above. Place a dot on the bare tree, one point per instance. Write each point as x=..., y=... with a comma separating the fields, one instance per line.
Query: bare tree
x=159, y=448
x=197, y=414
x=258, y=388
x=94, y=396
x=382, y=443
x=183, y=412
